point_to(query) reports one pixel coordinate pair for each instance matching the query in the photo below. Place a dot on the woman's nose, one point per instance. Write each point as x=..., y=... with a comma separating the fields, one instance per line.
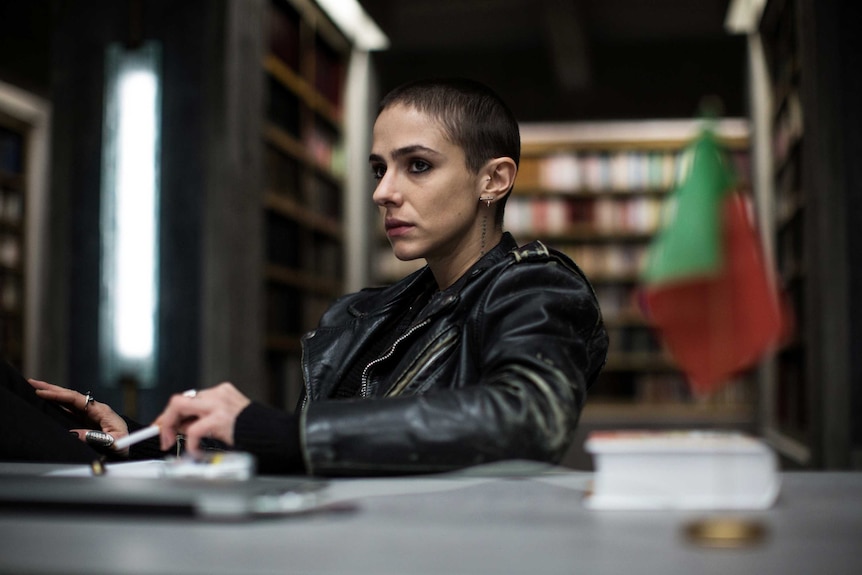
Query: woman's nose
x=385, y=192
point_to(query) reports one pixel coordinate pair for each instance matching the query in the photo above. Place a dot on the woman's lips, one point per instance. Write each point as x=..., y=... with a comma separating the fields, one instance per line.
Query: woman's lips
x=395, y=228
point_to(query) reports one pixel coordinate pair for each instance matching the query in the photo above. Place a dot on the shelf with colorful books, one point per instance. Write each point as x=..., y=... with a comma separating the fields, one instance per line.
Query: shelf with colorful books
x=304, y=69
x=12, y=239
x=597, y=192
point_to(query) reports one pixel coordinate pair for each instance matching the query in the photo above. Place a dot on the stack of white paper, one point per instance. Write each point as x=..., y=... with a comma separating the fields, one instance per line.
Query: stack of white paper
x=681, y=470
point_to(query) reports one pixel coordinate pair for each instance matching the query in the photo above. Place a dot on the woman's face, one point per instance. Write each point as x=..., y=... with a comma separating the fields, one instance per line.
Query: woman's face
x=428, y=197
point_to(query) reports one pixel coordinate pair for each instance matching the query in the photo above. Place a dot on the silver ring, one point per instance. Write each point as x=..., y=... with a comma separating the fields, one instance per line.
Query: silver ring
x=99, y=438
x=190, y=393
x=88, y=399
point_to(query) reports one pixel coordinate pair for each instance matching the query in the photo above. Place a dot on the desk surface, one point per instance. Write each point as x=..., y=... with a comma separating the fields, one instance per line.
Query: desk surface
x=464, y=524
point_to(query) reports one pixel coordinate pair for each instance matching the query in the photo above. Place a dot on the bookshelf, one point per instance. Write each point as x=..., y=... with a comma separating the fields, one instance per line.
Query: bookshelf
x=789, y=423
x=304, y=67
x=13, y=181
x=805, y=104
x=596, y=192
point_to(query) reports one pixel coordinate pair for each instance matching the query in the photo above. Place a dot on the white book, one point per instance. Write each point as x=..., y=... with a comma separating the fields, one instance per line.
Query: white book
x=681, y=470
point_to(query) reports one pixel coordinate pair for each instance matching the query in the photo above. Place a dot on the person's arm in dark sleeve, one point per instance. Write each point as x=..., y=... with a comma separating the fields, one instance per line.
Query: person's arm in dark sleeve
x=272, y=436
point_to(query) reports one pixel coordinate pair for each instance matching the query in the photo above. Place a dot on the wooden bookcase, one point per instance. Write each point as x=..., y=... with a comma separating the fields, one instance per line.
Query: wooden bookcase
x=305, y=67
x=13, y=195
x=790, y=399
x=596, y=192
x=811, y=116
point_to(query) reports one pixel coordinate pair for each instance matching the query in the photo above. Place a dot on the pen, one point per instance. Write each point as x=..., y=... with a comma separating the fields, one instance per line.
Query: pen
x=136, y=437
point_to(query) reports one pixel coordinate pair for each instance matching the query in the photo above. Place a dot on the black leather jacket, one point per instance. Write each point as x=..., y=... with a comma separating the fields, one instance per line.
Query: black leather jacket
x=495, y=367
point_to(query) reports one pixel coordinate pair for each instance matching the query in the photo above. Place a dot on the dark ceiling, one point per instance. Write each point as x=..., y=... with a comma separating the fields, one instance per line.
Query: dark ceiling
x=571, y=59
x=550, y=59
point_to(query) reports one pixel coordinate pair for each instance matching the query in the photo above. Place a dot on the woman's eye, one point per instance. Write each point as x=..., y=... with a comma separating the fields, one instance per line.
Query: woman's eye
x=419, y=166
x=378, y=171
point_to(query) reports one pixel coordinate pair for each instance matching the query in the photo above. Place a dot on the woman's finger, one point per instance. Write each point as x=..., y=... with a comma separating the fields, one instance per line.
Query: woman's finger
x=195, y=431
x=59, y=394
x=209, y=413
x=175, y=418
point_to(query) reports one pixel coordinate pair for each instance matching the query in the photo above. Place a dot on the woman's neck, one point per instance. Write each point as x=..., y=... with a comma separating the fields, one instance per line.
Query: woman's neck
x=449, y=270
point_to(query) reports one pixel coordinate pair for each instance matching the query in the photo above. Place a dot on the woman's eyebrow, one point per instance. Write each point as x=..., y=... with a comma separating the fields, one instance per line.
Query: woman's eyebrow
x=404, y=151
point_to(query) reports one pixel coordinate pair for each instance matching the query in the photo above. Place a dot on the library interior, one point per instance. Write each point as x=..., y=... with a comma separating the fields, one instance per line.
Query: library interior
x=252, y=213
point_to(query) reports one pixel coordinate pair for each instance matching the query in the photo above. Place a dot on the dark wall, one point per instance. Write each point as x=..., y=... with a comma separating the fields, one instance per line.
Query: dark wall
x=850, y=48
x=25, y=44
x=831, y=94
x=846, y=52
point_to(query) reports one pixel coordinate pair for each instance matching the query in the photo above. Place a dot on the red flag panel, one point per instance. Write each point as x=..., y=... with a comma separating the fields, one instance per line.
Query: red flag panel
x=717, y=326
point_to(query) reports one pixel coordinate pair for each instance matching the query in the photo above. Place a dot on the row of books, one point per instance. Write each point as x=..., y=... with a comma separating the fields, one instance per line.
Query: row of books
x=739, y=391
x=285, y=41
x=640, y=339
x=324, y=257
x=283, y=108
x=11, y=206
x=588, y=170
x=10, y=251
x=617, y=299
x=323, y=145
x=11, y=344
x=787, y=192
x=10, y=291
x=601, y=214
x=11, y=151
x=608, y=261
x=673, y=388
x=788, y=128
x=329, y=73
x=282, y=172
x=662, y=388
x=282, y=241
x=288, y=245
x=618, y=171
x=292, y=312
x=284, y=34
x=325, y=198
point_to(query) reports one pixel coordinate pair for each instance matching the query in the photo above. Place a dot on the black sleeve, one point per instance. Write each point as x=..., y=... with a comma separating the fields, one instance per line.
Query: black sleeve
x=272, y=436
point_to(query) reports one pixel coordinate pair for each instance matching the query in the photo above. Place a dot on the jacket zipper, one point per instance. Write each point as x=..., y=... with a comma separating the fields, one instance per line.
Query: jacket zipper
x=363, y=389
x=440, y=347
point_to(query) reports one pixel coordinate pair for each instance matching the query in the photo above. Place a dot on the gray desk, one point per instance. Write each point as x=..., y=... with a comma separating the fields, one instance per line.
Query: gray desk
x=462, y=524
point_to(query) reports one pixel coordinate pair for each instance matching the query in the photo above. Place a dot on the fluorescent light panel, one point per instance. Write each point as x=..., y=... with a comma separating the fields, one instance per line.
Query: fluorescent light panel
x=130, y=204
x=135, y=217
x=356, y=24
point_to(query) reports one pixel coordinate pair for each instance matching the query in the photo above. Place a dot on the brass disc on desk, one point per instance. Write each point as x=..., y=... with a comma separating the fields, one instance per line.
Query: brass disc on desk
x=97, y=467
x=725, y=532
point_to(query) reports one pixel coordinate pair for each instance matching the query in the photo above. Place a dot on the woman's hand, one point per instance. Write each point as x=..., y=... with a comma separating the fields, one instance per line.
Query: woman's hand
x=99, y=415
x=208, y=413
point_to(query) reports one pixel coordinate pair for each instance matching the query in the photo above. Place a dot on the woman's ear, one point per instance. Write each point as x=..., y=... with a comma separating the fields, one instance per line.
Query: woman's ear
x=499, y=177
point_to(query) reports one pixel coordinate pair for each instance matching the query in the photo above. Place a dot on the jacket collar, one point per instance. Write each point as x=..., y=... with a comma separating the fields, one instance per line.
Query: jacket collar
x=423, y=279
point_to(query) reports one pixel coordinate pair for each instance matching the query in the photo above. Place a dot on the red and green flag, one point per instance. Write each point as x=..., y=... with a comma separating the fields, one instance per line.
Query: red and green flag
x=706, y=286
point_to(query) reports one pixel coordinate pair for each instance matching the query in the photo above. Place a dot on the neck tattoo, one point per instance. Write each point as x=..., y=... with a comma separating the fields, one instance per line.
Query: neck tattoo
x=484, y=233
